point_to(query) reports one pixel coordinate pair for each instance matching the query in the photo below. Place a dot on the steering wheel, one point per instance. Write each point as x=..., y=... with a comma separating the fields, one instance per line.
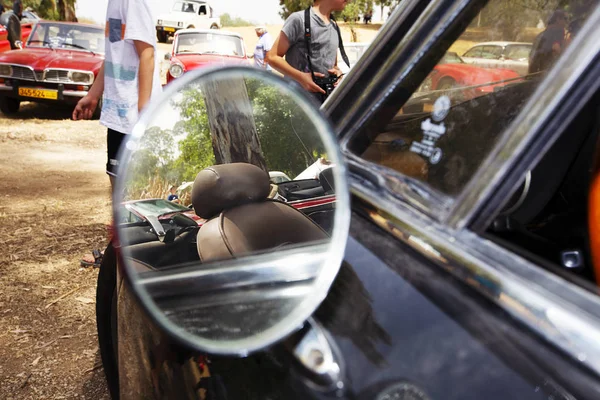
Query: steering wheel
x=594, y=214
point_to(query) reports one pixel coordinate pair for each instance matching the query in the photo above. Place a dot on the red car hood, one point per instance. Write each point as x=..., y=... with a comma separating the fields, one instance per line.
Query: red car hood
x=41, y=59
x=194, y=61
x=471, y=74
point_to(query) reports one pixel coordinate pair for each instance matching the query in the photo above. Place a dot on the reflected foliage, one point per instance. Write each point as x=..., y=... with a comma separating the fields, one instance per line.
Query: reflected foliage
x=288, y=139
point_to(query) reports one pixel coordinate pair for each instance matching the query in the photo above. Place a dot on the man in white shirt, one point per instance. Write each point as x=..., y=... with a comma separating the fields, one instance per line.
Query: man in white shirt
x=128, y=77
x=264, y=44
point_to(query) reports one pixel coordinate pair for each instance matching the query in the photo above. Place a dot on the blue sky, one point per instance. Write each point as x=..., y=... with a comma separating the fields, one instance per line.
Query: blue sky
x=259, y=11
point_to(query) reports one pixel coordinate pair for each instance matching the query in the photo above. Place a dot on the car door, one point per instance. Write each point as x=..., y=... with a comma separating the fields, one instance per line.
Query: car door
x=438, y=181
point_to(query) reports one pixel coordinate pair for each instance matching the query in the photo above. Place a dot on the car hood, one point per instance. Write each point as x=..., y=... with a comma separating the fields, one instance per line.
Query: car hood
x=194, y=61
x=41, y=59
x=476, y=75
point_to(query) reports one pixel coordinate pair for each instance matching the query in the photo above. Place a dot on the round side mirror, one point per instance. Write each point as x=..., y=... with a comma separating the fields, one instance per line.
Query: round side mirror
x=19, y=44
x=244, y=268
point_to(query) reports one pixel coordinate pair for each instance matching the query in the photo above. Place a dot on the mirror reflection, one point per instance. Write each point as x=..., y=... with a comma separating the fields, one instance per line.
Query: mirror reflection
x=228, y=205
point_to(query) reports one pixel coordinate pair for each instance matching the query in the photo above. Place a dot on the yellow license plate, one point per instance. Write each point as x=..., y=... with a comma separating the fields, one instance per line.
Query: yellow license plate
x=38, y=93
x=169, y=29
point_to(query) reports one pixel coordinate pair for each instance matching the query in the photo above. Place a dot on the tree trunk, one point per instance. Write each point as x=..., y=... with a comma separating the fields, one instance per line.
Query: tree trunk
x=231, y=121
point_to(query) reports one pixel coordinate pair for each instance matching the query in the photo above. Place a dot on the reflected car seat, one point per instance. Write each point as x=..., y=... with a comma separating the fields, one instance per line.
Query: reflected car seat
x=241, y=219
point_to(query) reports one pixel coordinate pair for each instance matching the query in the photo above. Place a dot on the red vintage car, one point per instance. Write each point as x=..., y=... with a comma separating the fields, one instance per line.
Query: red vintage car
x=196, y=48
x=59, y=64
x=5, y=44
x=453, y=73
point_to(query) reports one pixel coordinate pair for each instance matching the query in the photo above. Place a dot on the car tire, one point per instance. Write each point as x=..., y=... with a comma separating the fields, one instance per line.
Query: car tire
x=106, y=319
x=162, y=37
x=9, y=106
x=214, y=26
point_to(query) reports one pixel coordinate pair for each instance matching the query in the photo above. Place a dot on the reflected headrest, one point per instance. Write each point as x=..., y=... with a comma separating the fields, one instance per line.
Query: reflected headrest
x=225, y=186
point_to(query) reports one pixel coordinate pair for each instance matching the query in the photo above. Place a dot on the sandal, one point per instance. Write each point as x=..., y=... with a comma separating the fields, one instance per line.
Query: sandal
x=86, y=262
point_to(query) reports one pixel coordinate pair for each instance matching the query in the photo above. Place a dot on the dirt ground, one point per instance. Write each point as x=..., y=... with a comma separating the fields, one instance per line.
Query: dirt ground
x=54, y=206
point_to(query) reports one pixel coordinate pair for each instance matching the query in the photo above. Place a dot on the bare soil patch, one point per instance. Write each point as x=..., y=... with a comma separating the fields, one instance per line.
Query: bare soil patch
x=54, y=208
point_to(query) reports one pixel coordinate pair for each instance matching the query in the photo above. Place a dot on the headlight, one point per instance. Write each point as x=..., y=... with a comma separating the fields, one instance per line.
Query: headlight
x=176, y=70
x=5, y=70
x=180, y=24
x=159, y=22
x=81, y=77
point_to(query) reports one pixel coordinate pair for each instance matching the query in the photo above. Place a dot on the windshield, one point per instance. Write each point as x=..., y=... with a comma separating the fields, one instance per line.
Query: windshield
x=185, y=6
x=156, y=207
x=67, y=36
x=444, y=132
x=210, y=43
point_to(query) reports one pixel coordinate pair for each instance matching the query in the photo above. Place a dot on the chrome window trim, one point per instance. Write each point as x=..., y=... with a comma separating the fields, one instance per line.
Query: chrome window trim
x=528, y=127
x=565, y=315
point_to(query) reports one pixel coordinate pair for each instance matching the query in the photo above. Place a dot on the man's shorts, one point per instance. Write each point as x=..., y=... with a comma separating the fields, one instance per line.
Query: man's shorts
x=114, y=140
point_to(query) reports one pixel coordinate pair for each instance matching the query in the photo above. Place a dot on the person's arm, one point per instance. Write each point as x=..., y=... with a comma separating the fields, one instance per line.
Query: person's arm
x=87, y=105
x=277, y=62
x=145, y=52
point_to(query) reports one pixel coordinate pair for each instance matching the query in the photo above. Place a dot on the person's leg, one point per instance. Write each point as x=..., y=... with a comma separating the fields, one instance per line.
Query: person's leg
x=114, y=140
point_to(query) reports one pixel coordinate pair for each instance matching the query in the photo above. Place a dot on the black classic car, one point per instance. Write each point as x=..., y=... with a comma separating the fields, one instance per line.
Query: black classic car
x=461, y=259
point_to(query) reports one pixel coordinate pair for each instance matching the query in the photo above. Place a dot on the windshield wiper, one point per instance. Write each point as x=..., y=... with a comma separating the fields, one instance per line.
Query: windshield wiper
x=78, y=47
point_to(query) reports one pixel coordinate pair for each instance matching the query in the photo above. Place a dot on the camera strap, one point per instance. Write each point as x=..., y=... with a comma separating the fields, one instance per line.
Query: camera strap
x=307, y=40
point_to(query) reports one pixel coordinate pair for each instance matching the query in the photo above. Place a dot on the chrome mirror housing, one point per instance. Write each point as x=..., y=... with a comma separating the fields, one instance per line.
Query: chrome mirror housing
x=251, y=260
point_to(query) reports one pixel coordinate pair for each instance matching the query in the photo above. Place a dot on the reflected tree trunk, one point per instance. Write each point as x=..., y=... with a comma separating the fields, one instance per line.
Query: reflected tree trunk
x=231, y=121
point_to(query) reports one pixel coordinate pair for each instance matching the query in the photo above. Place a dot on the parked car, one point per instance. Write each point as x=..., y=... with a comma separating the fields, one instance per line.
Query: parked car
x=464, y=80
x=513, y=56
x=187, y=14
x=197, y=48
x=59, y=64
x=471, y=264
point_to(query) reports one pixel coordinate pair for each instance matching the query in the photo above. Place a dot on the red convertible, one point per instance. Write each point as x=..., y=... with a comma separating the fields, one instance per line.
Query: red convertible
x=196, y=48
x=58, y=65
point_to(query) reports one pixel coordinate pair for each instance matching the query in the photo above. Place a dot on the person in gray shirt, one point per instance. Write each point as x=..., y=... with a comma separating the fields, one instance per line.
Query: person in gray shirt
x=324, y=43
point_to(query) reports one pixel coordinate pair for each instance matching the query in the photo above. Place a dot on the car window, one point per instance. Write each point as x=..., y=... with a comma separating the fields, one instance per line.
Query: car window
x=475, y=52
x=491, y=52
x=517, y=52
x=67, y=36
x=184, y=6
x=442, y=134
x=210, y=43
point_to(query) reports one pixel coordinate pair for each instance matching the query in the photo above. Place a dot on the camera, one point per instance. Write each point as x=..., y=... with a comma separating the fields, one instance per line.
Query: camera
x=326, y=83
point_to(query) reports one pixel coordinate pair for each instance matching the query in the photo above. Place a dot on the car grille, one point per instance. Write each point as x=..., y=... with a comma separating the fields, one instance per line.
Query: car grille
x=19, y=72
x=57, y=76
